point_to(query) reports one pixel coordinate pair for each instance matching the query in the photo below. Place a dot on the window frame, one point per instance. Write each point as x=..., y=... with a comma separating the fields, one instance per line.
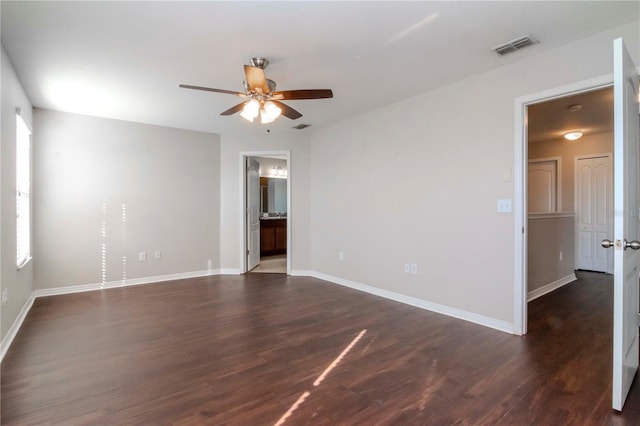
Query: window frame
x=23, y=190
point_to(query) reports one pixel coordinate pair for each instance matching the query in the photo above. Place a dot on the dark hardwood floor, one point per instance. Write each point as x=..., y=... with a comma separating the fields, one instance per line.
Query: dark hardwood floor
x=246, y=350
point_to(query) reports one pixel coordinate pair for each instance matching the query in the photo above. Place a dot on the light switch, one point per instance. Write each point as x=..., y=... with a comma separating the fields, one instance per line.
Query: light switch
x=507, y=175
x=504, y=206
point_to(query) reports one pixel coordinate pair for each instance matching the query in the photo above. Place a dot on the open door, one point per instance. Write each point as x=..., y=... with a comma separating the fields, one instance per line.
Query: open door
x=253, y=213
x=626, y=257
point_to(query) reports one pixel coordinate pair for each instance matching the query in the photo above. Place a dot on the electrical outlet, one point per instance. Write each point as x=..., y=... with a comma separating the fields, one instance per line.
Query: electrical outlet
x=142, y=256
x=5, y=296
x=407, y=268
x=560, y=256
x=341, y=255
x=504, y=206
x=414, y=269
x=157, y=255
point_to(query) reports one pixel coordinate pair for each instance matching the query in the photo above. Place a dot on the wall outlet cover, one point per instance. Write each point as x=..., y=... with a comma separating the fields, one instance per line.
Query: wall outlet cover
x=504, y=206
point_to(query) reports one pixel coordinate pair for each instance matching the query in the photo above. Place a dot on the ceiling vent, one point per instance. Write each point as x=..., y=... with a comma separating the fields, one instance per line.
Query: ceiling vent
x=513, y=45
x=302, y=126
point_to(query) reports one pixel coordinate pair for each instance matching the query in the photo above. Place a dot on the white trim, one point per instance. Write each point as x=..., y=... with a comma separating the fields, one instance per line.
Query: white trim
x=548, y=288
x=496, y=324
x=536, y=216
x=15, y=327
x=387, y=294
x=520, y=218
x=301, y=273
x=24, y=120
x=126, y=283
x=24, y=263
x=520, y=185
x=243, y=203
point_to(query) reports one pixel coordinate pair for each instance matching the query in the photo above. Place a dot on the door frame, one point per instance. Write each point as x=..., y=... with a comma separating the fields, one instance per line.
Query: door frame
x=520, y=214
x=286, y=154
x=609, y=156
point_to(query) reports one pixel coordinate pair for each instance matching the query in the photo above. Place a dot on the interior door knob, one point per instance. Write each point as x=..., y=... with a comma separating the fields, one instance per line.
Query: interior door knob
x=635, y=245
x=607, y=243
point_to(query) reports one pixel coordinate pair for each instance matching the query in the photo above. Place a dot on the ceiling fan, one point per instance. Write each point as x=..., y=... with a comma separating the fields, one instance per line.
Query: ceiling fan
x=262, y=99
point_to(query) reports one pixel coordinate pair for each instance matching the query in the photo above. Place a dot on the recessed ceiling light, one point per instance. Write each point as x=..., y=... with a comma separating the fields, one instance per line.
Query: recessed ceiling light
x=574, y=108
x=572, y=136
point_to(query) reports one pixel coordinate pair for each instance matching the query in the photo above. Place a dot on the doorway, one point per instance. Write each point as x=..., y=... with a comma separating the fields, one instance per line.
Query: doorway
x=569, y=188
x=266, y=208
x=531, y=144
x=626, y=264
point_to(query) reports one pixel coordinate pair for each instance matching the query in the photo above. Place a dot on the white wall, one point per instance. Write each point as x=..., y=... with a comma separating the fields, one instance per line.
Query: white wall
x=18, y=282
x=413, y=182
x=87, y=169
x=256, y=140
x=417, y=182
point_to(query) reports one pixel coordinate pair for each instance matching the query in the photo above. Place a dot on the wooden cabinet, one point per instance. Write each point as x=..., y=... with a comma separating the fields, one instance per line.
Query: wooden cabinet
x=273, y=236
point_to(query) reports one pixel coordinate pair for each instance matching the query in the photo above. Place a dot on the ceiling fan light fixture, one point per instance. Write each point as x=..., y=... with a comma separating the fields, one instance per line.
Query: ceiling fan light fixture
x=259, y=91
x=251, y=110
x=269, y=112
x=572, y=136
x=272, y=110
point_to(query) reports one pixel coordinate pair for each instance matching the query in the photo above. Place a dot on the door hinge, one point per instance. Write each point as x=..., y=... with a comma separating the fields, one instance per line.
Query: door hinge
x=247, y=252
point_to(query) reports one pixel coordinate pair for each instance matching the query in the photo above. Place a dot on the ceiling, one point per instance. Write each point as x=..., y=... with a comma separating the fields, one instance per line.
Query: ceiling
x=125, y=60
x=552, y=119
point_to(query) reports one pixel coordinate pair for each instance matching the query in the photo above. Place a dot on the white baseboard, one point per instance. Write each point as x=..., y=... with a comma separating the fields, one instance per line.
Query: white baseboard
x=13, y=331
x=548, y=288
x=124, y=283
x=496, y=324
x=15, y=327
x=301, y=273
x=500, y=325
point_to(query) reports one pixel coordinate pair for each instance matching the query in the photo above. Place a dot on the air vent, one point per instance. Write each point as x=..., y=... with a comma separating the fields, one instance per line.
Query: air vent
x=302, y=126
x=513, y=45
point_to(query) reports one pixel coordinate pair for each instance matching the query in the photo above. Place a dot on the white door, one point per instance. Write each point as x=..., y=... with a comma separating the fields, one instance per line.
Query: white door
x=542, y=186
x=593, y=186
x=625, y=287
x=253, y=213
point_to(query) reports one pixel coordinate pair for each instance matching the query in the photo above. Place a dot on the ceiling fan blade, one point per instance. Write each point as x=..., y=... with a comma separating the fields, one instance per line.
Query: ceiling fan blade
x=256, y=79
x=303, y=94
x=209, y=89
x=233, y=109
x=287, y=111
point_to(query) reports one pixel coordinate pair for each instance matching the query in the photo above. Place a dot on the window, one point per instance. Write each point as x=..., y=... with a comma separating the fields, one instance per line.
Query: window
x=23, y=186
